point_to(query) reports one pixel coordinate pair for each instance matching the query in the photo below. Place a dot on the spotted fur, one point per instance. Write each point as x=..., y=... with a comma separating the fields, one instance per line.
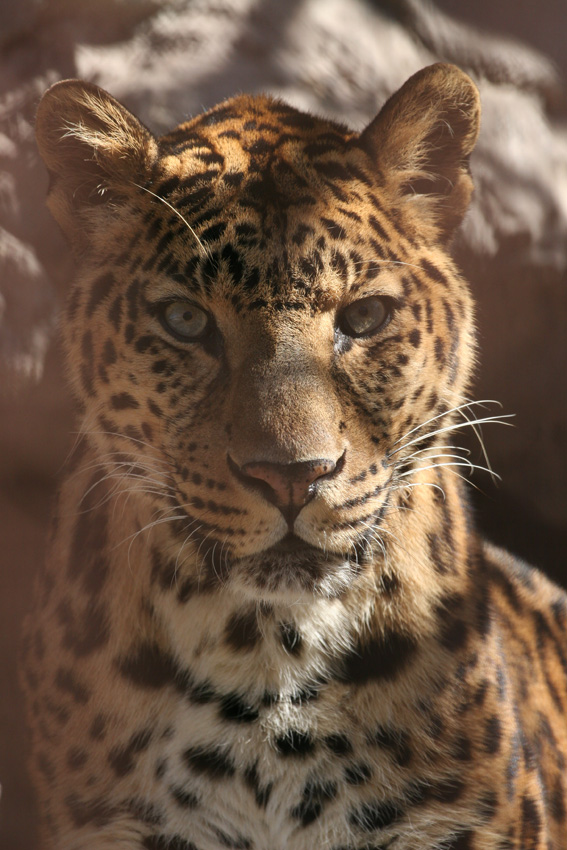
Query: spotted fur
x=267, y=621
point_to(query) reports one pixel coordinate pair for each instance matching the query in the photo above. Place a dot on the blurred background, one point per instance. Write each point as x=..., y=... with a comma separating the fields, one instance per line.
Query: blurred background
x=169, y=59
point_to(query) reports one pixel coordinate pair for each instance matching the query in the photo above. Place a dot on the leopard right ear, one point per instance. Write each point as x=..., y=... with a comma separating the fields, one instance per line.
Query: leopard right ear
x=96, y=152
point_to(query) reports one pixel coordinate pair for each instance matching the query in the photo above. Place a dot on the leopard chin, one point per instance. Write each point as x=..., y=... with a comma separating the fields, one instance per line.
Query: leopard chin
x=293, y=568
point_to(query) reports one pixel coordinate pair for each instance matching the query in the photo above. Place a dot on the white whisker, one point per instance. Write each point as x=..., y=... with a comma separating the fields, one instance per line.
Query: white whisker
x=205, y=251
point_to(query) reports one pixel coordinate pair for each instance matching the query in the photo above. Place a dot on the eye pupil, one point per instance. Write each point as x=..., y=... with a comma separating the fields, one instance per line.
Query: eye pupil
x=185, y=321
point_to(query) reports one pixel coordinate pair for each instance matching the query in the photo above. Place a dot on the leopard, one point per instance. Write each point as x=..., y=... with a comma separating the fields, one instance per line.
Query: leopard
x=267, y=620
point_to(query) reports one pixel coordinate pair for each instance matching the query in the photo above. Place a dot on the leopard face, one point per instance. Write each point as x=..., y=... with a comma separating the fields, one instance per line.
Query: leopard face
x=264, y=332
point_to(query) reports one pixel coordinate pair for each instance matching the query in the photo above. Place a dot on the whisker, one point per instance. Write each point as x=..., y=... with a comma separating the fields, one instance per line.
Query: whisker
x=205, y=251
x=465, y=463
x=459, y=407
x=454, y=427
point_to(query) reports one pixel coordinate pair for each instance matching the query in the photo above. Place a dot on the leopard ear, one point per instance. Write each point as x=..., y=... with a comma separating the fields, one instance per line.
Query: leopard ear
x=421, y=142
x=95, y=151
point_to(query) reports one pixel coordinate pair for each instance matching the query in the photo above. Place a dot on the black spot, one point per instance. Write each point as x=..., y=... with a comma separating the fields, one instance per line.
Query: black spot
x=295, y=743
x=87, y=364
x=232, y=707
x=377, y=815
x=162, y=245
x=148, y=666
x=559, y=608
x=453, y=628
x=115, y=312
x=290, y=638
x=237, y=842
x=169, y=185
x=84, y=812
x=306, y=693
x=185, y=799
x=377, y=227
x=261, y=793
x=233, y=178
x=447, y=790
x=215, y=231
x=167, y=842
x=85, y=628
x=67, y=681
x=488, y=805
x=160, y=768
x=59, y=712
x=462, y=748
x=123, y=759
x=481, y=692
x=314, y=797
x=557, y=801
x=234, y=261
x=97, y=729
x=357, y=774
x=335, y=229
x=395, y=740
x=382, y=658
x=46, y=766
x=461, y=841
x=76, y=758
x=73, y=304
x=143, y=343
x=145, y=811
x=109, y=353
x=129, y=332
x=99, y=291
x=414, y=337
x=242, y=630
x=211, y=158
x=501, y=580
x=389, y=584
x=433, y=272
x=492, y=735
x=333, y=170
x=122, y=401
x=212, y=763
x=338, y=744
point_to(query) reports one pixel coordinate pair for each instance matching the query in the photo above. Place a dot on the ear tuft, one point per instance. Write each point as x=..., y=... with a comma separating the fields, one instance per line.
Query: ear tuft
x=422, y=139
x=93, y=147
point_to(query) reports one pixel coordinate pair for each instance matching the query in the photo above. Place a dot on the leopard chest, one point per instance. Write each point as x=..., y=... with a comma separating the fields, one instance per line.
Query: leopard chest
x=269, y=746
x=278, y=773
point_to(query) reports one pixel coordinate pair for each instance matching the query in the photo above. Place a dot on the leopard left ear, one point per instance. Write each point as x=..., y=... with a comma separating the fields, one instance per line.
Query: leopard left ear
x=421, y=142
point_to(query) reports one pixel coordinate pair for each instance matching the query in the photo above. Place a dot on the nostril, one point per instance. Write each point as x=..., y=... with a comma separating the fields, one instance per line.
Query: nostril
x=289, y=482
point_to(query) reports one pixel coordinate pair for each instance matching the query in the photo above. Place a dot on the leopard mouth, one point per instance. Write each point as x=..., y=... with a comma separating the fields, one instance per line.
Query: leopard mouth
x=291, y=544
x=293, y=565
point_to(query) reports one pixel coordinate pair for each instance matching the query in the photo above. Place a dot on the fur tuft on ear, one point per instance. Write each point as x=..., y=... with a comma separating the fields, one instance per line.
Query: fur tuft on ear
x=421, y=141
x=94, y=149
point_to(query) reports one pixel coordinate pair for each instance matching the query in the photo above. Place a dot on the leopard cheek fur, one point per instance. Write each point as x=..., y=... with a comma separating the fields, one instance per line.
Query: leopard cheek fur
x=267, y=621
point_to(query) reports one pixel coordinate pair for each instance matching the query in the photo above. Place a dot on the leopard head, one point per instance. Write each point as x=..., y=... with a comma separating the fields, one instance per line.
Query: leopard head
x=265, y=321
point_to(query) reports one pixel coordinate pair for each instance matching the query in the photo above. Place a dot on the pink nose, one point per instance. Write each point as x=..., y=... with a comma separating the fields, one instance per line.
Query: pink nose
x=288, y=485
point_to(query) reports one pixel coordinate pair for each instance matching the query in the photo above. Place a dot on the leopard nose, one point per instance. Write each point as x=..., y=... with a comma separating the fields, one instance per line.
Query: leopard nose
x=289, y=486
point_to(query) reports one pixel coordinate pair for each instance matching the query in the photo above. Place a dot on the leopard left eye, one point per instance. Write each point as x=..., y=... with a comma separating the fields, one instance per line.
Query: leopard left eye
x=185, y=320
x=365, y=316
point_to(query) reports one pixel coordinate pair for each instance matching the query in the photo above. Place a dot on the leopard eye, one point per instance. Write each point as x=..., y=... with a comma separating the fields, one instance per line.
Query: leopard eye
x=364, y=317
x=185, y=320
